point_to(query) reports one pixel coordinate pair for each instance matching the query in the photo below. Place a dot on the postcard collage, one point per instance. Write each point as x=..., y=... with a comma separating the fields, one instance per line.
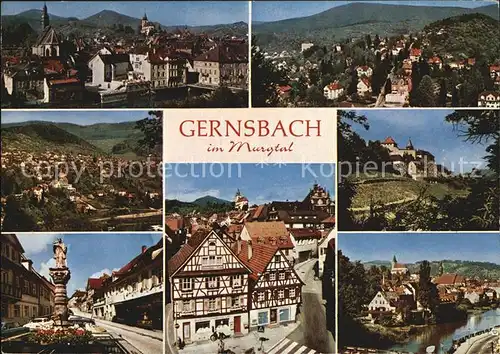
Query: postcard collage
x=250, y=177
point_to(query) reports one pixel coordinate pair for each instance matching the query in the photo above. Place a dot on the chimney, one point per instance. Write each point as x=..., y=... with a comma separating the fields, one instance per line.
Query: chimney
x=250, y=250
x=143, y=248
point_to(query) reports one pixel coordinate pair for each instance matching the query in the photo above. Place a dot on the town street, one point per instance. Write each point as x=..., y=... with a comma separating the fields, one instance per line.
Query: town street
x=312, y=331
x=146, y=341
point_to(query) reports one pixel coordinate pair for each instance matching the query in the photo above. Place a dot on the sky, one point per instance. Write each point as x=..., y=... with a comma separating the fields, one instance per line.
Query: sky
x=259, y=183
x=280, y=10
x=413, y=247
x=88, y=256
x=86, y=117
x=169, y=13
x=428, y=131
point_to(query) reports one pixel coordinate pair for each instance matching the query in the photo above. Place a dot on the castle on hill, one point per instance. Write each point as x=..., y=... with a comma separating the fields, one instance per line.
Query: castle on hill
x=416, y=163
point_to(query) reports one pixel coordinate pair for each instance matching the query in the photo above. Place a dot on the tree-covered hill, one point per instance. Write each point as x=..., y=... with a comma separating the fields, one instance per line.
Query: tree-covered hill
x=42, y=137
x=356, y=20
x=466, y=35
x=113, y=138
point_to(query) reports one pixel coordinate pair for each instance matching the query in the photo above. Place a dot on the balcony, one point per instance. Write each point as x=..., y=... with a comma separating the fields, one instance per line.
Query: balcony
x=134, y=294
x=11, y=291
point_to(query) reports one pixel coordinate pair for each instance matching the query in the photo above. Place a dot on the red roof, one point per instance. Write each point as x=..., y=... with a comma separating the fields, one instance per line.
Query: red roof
x=53, y=65
x=284, y=89
x=449, y=279
x=185, y=252
x=258, y=211
x=305, y=233
x=389, y=140
x=416, y=52
x=398, y=265
x=96, y=283
x=174, y=223
x=495, y=68
x=334, y=86
x=261, y=256
x=434, y=60
x=272, y=233
x=364, y=67
x=329, y=220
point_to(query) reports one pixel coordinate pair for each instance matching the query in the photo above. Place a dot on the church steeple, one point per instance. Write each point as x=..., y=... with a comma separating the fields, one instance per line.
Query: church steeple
x=45, y=17
x=409, y=146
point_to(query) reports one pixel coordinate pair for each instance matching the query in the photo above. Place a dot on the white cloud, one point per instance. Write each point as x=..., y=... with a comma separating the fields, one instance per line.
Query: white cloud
x=103, y=271
x=45, y=266
x=36, y=243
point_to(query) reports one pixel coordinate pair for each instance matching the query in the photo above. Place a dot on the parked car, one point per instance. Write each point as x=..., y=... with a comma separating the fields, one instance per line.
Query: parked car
x=10, y=329
x=79, y=320
x=39, y=323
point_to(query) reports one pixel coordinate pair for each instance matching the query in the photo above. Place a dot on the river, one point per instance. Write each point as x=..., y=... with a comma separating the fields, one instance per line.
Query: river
x=442, y=335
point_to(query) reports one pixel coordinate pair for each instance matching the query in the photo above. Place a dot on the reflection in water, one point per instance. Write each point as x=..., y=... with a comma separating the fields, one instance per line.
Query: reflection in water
x=442, y=335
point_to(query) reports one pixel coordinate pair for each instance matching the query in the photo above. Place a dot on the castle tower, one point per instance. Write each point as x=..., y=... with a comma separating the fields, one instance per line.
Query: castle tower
x=45, y=17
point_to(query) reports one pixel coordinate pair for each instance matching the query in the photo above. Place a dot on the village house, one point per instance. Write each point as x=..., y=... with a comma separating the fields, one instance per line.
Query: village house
x=224, y=65
x=489, y=99
x=274, y=286
x=415, y=54
x=107, y=68
x=161, y=68
x=364, y=71
x=436, y=62
x=305, y=243
x=306, y=46
x=209, y=288
x=95, y=295
x=133, y=295
x=364, y=86
x=24, y=292
x=333, y=91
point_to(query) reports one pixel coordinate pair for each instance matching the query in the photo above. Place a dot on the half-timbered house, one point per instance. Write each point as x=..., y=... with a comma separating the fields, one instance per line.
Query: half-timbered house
x=274, y=286
x=209, y=288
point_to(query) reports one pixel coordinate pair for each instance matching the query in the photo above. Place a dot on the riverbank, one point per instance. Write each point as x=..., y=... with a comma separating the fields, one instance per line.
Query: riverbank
x=397, y=335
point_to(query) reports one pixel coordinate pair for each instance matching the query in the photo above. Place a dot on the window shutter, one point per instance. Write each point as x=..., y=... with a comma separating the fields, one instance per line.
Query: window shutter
x=287, y=293
x=267, y=277
x=217, y=303
x=218, y=282
x=231, y=281
x=205, y=304
x=206, y=283
x=192, y=305
x=178, y=305
x=229, y=302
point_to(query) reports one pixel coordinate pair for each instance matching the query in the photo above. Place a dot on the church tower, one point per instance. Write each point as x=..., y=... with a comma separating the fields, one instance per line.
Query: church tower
x=45, y=17
x=394, y=261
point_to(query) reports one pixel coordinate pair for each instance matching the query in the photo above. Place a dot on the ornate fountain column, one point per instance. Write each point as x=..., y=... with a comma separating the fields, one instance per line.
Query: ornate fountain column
x=60, y=275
